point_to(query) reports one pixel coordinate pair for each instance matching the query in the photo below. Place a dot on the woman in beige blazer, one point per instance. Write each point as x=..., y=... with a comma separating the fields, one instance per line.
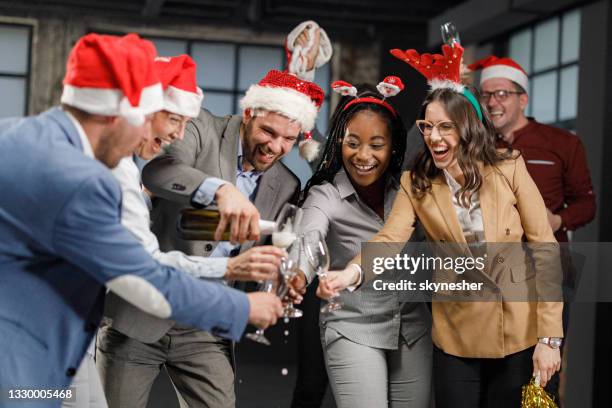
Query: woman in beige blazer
x=462, y=187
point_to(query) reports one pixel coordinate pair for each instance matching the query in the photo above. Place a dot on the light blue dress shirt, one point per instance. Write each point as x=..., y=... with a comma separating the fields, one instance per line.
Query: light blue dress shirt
x=246, y=182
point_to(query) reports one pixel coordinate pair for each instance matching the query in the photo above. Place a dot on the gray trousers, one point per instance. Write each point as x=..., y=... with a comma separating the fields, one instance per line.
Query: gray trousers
x=367, y=377
x=197, y=362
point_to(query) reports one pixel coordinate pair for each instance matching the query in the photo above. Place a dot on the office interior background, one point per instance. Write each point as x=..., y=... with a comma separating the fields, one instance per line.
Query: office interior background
x=564, y=45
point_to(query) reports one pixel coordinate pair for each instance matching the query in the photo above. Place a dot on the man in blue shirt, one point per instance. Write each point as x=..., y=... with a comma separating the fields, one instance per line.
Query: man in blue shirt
x=61, y=239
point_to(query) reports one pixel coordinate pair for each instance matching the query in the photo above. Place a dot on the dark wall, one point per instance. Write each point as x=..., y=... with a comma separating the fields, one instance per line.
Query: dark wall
x=409, y=101
x=602, y=392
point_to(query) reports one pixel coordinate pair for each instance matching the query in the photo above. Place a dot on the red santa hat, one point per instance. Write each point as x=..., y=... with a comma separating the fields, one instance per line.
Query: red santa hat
x=181, y=92
x=493, y=67
x=113, y=76
x=291, y=97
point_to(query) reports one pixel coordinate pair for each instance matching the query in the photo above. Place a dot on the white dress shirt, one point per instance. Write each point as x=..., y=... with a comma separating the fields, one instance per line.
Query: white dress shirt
x=470, y=219
x=87, y=149
x=135, y=217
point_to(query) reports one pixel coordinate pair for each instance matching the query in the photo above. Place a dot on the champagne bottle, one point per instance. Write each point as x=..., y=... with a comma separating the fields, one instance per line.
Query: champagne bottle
x=201, y=224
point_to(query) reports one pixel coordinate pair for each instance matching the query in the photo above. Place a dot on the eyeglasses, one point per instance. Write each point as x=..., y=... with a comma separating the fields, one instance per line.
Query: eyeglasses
x=445, y=128
x=500, y=95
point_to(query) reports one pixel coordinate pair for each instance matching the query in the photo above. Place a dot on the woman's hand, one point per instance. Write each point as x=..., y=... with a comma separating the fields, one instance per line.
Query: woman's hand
x=546, y=362
x=297, y=288
x=337, y=281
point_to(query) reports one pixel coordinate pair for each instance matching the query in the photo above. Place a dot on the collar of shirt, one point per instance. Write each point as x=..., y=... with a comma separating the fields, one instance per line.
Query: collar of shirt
x=240, y=172
x=528, y=128
x=346, y=188
x=452, y=183
x=87, y=149
x=455, y=187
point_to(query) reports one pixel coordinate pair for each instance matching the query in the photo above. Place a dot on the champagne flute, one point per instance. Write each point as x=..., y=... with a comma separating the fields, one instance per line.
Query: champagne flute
x=318, y=257
x=283, y=237
x=258, y=336
x=449, y=33
x=288, y=224
x=289, y=269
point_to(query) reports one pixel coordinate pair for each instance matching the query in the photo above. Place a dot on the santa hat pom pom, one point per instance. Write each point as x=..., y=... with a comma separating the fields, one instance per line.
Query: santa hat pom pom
x=390, y=86
x=344, y=88
x=309, y=148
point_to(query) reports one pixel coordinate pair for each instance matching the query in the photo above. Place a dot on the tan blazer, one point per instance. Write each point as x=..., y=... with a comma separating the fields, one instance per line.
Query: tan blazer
x=512, y=209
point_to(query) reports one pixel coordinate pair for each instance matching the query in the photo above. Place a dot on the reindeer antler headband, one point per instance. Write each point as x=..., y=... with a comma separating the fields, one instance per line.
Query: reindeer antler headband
x=390, y=86
x=441, y=70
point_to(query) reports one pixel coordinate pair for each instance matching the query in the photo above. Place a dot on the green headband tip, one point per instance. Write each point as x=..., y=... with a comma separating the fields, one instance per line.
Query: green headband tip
x=472, y=99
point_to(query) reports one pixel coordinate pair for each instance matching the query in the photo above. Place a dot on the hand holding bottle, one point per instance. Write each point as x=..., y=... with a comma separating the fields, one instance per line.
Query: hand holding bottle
x=237, y=211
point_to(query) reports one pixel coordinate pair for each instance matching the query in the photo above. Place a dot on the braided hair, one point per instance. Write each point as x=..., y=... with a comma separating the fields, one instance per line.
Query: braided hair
x=331, y=161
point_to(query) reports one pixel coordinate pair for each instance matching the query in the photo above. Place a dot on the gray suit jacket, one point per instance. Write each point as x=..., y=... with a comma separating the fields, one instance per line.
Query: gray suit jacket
x=209, y=149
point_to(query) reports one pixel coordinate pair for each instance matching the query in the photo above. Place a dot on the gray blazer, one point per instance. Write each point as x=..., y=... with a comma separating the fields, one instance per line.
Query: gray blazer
x=209, y=149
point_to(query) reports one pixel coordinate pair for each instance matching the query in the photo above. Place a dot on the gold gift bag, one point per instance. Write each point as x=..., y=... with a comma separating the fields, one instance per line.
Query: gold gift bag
x=535, y=396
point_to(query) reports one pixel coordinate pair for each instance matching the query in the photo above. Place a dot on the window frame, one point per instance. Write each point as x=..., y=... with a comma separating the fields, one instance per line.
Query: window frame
x=559, y=66
x=28, y=74
x=235, y=92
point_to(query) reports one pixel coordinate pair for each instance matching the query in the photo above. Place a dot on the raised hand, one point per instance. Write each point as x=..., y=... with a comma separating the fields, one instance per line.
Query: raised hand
x=303, y=39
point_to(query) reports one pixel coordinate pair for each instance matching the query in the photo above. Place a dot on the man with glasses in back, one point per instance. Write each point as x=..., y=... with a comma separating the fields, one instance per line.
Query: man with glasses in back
x=555, y=159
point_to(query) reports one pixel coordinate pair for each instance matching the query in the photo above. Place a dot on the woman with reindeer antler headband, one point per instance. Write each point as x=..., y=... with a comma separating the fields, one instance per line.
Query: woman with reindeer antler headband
x=464, y=191
x=376, y=349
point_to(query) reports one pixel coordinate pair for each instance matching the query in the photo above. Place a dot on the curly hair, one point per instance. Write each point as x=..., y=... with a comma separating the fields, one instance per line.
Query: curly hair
x=331, y=161
x=476, y=145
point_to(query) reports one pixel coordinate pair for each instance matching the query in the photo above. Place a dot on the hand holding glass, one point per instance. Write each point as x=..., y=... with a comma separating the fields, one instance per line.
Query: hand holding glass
x=318, y=257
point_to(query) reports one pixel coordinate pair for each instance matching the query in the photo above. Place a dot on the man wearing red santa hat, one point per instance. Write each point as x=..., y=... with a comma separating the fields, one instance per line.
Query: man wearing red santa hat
x=555, y=158
x=233, y=163
x=126, y=330
x=61, y=241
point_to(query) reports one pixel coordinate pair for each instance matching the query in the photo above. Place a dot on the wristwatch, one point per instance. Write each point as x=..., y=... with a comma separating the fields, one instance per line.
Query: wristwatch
x=552, y=342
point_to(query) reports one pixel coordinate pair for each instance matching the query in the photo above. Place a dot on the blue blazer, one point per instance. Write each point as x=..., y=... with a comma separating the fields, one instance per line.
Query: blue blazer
x=61, y=240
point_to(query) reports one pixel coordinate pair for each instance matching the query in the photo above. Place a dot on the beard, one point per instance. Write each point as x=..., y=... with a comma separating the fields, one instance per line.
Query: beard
x=250, y=150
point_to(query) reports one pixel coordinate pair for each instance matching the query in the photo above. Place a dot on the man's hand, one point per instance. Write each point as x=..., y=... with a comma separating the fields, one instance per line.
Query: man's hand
x=554, y=220
x=257, y=264
x=302, y=41
x=546, y=361
x=239, y=212
x=264, y=310
x=337, y=281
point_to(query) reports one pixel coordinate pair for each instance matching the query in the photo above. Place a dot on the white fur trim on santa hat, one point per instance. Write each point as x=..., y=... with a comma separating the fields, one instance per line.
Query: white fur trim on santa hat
x=505, y=71
x=445, y=83
x=183, y=102
x=288, y=102
x=110, y=102
x=309, y=149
